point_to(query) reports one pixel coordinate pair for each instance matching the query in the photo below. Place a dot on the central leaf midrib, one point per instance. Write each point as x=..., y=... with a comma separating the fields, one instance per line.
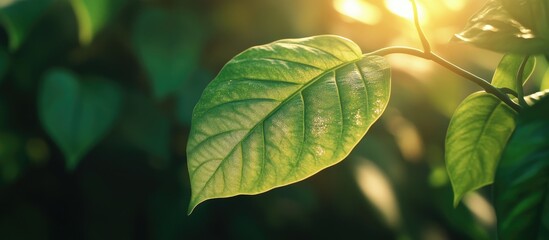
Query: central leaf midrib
x=291, y=96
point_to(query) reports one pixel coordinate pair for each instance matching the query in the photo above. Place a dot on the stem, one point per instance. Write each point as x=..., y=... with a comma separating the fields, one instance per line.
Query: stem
x=424, y=41
x=489, y=88
x=520, y=90
x=429, y=55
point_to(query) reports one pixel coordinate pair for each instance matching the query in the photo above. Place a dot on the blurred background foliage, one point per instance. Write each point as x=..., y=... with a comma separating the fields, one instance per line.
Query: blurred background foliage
x=96, y=98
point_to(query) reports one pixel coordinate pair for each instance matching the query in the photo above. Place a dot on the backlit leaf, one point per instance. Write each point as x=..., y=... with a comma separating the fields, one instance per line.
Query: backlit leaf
x=279, y=113
x=533, y=14
x=506, y=72
x=168, y=44
x=545, y=81
x=476, y=136
x=494, y=28
x=19, y=17
x=521, y=187
x=93, y=15
x=77, y=114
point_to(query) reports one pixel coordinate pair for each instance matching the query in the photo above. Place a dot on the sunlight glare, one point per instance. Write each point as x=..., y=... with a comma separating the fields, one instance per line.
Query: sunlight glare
x=378, y=190
x=404, y=9
x=358, y=10
x=455, y=5
x=481, y=208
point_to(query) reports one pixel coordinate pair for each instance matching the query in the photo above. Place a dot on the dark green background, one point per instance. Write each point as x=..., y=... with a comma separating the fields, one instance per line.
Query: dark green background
x=134, y=184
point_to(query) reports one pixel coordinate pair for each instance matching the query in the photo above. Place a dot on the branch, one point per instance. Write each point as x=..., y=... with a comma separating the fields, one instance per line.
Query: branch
x=520, y=75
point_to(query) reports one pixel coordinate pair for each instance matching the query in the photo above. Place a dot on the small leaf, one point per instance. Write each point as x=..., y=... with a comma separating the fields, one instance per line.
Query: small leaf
x=93, y=15
x=521, y=187
x=495, y=29
x=279, y=113
x=19, y=17
x=168, y=44
x=77, y=114
x=506, y=72
x=476, y=136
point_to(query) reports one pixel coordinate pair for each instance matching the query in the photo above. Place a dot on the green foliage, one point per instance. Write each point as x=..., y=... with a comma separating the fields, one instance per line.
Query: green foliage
x=77, y=114
x=281, y=112
x=19, y=17
x=145, y=127
x=168, y=44
x=93, y=15
x=522, y=179
x=477, y=135
x=506, y=72
x=510, y=26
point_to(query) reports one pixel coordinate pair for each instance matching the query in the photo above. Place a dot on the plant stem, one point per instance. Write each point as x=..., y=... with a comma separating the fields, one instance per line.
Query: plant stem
x=424, y=41
x=489, y=88
x=429, y=55
x=520, y=90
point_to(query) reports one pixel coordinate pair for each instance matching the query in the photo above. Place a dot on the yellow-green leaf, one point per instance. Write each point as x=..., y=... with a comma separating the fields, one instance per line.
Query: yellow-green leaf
x=506, y=72
x=475, y=139
x=281, y=112
x=93, y=15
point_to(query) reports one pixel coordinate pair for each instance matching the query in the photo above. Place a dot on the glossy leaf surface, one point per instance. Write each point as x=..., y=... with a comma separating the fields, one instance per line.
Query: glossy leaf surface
x=506, y=72
x=475, y=139
x=93, y=15
x=19, y=17
x=494, y=28
x=521, y=187
x=533, y=14
x=77, y=114
x=279, y=113
x=168, y=44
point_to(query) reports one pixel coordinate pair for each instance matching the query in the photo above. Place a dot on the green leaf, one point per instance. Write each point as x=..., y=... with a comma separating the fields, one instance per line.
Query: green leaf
x=521, y=187
x=168, y=44
x=279, y=113
x=545, y=81
x=77, y=114
x=93, y=15
x=494, y=28
x=533, y=14
x=506, y=72
x=19, y=17
x=476, y=136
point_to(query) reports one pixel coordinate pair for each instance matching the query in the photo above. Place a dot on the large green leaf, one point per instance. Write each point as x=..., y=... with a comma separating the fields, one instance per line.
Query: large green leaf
x=93, y=15
x=494, y=28
x=168, y=44
x=279, y=113
x=77, y=114
x=476, y=137
x=521, y=187
x=533, y=14
x=19, y=17
x=506, y=72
